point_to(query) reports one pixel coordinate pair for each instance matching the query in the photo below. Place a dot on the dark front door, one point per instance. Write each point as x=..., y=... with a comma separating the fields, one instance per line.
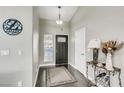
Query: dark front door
x=61, y=49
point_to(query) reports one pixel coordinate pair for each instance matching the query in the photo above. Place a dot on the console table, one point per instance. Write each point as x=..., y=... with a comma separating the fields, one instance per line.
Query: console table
x=102, y=76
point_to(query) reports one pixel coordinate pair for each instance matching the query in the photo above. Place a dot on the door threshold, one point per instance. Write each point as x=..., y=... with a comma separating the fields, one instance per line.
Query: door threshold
x=61, y=64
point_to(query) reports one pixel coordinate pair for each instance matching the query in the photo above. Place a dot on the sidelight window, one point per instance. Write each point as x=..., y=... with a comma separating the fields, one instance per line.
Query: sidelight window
x=48, y=48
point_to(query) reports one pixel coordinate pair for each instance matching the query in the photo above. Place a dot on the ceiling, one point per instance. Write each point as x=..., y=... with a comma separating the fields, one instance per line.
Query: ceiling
x=51, y=12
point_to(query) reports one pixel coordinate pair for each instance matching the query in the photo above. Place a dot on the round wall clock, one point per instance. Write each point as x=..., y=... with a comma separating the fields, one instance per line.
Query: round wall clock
x=12, y=27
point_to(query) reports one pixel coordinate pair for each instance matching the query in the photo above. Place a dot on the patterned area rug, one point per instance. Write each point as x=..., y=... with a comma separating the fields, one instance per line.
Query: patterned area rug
x=58, y=76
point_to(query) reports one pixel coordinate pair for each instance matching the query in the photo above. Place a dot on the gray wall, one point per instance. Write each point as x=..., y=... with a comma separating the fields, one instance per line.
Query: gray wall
x=50, y=27
x=105, y=23
x=15, y=67
x=35, y=43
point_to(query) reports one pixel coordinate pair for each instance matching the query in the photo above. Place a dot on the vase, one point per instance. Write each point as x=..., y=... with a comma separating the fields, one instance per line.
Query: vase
x=109, y=65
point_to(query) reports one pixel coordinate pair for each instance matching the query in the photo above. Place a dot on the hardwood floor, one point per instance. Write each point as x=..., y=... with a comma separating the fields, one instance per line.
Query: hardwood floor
x=81, y=80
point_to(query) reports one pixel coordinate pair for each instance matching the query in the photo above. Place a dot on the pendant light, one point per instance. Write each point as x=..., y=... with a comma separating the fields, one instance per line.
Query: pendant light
x=59, y=21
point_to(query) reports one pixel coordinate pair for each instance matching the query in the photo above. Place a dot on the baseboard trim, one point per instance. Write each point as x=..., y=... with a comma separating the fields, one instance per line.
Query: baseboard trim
x=78, y=70
x=42, y=65
x=91, y=79
x=73, y=66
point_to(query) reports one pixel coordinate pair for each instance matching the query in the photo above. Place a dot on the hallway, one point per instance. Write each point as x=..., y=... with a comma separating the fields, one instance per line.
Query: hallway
x=37, y=38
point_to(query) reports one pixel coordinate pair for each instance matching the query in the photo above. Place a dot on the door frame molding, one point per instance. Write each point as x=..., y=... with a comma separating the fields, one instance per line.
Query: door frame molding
x=55, y=47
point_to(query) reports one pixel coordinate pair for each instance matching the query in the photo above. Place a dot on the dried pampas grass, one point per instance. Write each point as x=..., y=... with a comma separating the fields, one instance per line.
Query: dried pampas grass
x=111, y=46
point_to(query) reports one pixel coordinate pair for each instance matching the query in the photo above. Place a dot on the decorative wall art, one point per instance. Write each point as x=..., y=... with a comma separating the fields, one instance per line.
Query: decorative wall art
x=12, y=27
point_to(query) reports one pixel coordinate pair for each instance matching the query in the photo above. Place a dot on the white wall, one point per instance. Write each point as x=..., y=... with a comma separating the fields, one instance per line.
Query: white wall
x=50, y=27
x=101, y=22
x=14, y=68
x=35, y=43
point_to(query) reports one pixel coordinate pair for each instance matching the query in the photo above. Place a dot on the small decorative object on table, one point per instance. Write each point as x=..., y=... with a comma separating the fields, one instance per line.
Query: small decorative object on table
x=108, y=48
x=100, y=64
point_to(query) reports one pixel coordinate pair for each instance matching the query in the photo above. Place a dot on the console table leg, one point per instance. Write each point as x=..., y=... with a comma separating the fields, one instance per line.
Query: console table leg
x=87, y=70
x=119, y=77
x=109, y=80
x=95, y=75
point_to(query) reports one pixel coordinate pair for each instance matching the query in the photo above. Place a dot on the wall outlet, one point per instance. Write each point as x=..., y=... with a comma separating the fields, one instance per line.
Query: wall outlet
x=20, y=52
x=20, y=83
x=5, y=52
